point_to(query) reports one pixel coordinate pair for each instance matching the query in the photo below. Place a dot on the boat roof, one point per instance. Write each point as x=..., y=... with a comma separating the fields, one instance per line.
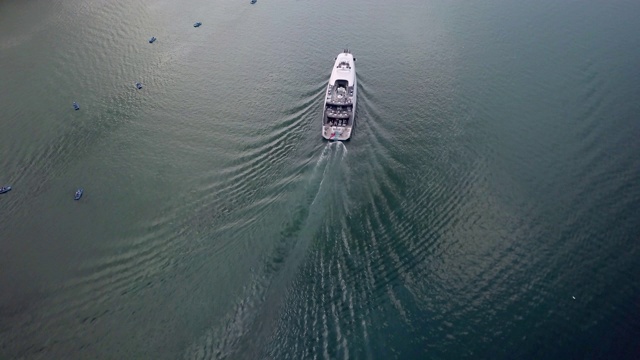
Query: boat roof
x=343, y=69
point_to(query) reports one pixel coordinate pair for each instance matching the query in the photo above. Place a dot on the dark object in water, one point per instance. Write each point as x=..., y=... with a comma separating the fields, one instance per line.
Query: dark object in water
x=197, y=24
x=138, y=85
x=5, y=189
x=78, y=194
x=76, y=106
x=253, y=1
x=153, y=38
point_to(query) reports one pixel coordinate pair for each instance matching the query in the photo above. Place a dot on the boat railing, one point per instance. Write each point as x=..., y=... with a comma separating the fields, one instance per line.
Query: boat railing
x=342, y=113
x=343, y=101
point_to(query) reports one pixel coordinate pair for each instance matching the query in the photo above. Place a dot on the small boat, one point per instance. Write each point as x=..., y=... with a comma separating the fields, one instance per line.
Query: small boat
x=78, y=194
x=76, y=106
x=4, y=189
x=197, y=24
x=152, y=39
x=138, y=85
x=253, y=1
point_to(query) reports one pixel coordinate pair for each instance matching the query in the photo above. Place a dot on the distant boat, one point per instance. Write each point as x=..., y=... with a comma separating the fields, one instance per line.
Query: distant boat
x=76, y=106
x=253, y=1
x=5, y=189
x=138, y=85
x=153, y=38
x=197, y=24
x=78, y=194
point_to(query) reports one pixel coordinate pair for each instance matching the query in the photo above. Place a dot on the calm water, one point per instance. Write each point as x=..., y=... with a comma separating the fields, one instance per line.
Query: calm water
x=488, y=205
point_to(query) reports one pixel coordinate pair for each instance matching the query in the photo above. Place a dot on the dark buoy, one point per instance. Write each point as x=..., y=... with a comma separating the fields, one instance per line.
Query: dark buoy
x=138, y=85
x=197, y=24
x=153, y=38
x=76, y=106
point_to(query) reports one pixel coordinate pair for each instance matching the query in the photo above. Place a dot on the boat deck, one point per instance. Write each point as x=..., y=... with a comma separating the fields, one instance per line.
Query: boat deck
x=335, y=113
x=338, y=95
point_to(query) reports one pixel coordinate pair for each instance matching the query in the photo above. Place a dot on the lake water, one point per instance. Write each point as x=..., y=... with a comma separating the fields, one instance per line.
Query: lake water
x=487, y=206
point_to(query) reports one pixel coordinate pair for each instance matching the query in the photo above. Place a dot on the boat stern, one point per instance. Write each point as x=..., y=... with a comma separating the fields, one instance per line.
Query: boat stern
x=339, y=133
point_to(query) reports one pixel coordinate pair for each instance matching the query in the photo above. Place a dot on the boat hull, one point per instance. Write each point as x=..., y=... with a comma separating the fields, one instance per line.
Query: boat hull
x=339, y=110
